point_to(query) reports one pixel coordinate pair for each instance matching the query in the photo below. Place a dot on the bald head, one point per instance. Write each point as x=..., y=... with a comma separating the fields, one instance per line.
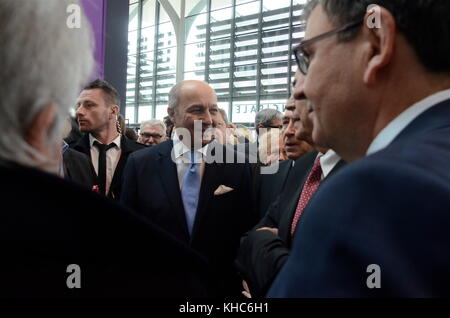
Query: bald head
x=191, y=101
x=187, y=88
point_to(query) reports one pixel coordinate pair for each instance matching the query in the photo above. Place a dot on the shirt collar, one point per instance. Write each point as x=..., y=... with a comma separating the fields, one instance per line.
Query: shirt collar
x=328, y=161
x=395, y=127
x=180, y=148
x=116, y=141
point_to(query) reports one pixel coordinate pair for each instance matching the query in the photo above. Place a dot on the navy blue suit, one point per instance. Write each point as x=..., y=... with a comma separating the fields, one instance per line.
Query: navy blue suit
x=151, y=188
x=391, y=209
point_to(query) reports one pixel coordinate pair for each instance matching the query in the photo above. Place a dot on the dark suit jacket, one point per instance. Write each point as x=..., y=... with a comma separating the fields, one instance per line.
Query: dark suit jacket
x=151, y=188
x=269, y=186
x=78, y=168
x=391, y=209
x=262, y=254
x=48, y=224
x=127, y=146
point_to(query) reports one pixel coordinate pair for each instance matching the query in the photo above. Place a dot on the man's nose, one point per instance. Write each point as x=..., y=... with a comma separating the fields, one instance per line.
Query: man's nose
x=207, y=119
x=79, y=111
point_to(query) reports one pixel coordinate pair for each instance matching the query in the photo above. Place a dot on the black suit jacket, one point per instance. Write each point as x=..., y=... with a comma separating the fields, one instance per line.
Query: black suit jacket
x=78, y=168
x=269, y=186
x=391, y=209
x=127, y=146
x=47, y=224
x=262, y=254
x=151, y=188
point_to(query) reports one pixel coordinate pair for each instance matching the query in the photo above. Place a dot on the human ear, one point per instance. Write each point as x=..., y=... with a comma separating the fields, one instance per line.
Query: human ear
x=381, y=43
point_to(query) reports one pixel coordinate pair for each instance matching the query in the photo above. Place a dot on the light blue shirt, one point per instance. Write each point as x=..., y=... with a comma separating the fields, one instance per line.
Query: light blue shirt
x=395, y=127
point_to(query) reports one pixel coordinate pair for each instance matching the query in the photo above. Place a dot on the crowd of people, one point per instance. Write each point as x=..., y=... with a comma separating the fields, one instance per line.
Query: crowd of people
x=346, y=194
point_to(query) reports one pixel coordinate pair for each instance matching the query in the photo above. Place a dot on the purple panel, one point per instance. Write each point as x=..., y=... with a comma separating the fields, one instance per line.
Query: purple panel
x=96, y=13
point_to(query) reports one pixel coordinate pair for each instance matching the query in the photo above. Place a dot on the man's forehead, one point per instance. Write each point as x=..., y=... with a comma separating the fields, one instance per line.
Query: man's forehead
x=152, y=127
x=90, y=94
x=318, y=23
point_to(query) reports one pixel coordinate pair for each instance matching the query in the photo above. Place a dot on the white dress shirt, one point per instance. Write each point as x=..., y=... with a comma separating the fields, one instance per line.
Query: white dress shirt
x=182, y=160
x=395, y=127
x=112, y=158
x=327, y=162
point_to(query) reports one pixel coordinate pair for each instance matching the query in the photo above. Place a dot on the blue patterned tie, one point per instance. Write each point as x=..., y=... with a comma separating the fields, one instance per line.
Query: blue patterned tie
x=190, y=190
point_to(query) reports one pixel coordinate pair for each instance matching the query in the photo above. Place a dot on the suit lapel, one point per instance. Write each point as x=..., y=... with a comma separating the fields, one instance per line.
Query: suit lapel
x=211, y=180
x=293, y=188
x=83, y=145
x=125, y=151
x=169, y=179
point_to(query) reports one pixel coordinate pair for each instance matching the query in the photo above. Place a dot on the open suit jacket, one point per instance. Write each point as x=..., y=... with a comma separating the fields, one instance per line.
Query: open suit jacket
x=78, y=168
x=151, y=188
x=127, y=147
x=269, y=186
x=48, y=223
x=390, y=209
x=262, y=254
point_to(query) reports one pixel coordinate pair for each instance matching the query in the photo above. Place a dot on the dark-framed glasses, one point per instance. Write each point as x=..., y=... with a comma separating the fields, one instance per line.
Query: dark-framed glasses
x=148, y=135
x=302, y=57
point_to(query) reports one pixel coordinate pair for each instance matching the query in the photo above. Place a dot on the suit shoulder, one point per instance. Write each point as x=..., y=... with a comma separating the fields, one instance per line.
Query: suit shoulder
x=152, y=152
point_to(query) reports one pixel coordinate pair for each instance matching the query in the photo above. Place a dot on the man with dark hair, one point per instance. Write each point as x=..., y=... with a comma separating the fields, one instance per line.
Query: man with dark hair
x=265, y=249
x=97, y=112
x=378, y=82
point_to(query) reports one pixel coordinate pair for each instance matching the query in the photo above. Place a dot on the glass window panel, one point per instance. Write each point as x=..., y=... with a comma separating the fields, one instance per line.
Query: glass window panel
x=219, y=79
x=132, y=42
x=300, y=2
x=148, y=13
x=195, y=7
x=148, y=39
x=195, y=28
x=133, y=1
x=194, y=57
x=167, y=61
x=244, y=111
x=219, y=4
x=145, y=113
x=271, y=21
x=145, y=91
x=163, y=86
x=249, y=10
x=129, y=115
x=197, y=75
x=163, y=16
x=176, y=4
x=131, y=68
x=220, y=23
x=273, y=102
x=146, y=65
x=166, y=36
x=133, y=17
x=219, y=55
x=161, y=111
x=224, y=106
x=269, y=5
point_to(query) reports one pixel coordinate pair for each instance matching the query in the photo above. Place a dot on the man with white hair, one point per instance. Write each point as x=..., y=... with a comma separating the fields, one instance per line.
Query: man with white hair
x=58, y=239
x=152, y=132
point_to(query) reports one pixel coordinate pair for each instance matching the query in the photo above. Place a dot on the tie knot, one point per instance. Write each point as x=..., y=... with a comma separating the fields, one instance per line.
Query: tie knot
x=103, y=147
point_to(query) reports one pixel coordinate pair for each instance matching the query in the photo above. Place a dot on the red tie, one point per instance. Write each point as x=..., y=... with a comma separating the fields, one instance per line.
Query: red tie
x=310, y=187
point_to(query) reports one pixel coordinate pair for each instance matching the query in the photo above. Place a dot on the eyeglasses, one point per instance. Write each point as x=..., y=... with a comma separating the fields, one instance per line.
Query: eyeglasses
x=302, y=57
x=148, y=135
